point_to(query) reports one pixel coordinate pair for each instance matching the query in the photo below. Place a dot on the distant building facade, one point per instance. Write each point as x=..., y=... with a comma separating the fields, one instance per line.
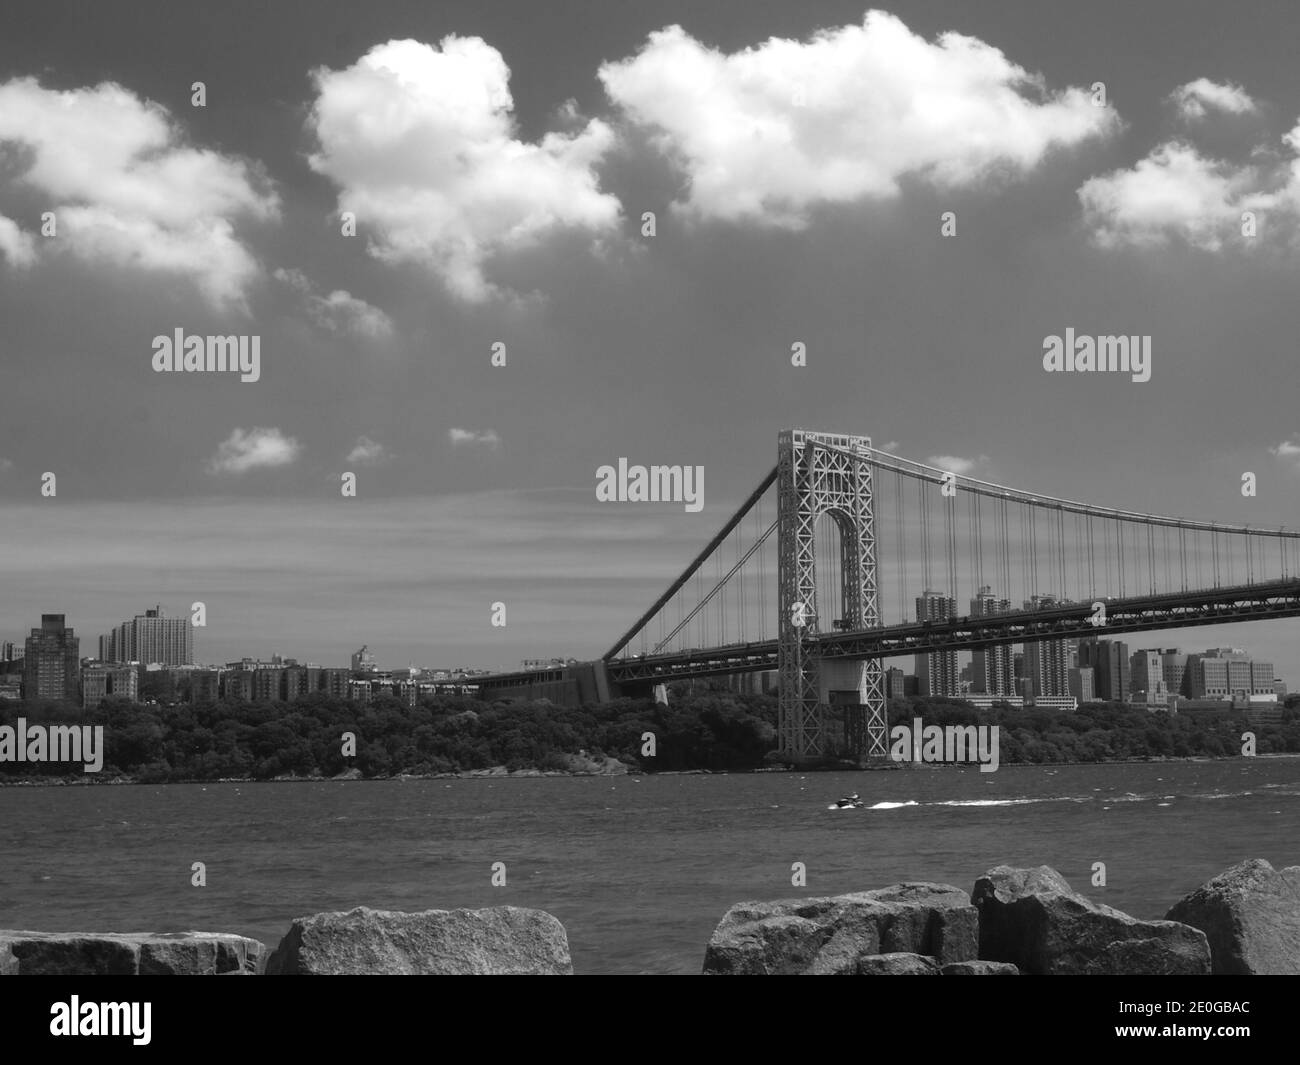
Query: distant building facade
x=237, y=685
x=1147, y=678
x=1047, y=662
x=1082, y=684
x=1173, y=664
x=99, y=680
x=895, y=683
x=992, y=668
x=1225, y=672
x=1109, y=660
x=52, y=662
x=936, y=671
x=149, y=638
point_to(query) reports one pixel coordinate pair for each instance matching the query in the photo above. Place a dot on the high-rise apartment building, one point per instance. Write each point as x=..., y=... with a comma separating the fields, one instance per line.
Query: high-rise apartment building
x=268, y=684
x=335, y=682
x=150, y=638
x=1109, y=660
x=205, y=685
x=1047, y=662
x=363, y=661
x=936, y=671
x=1173, y=665
x=52, y=662
x=895, y=683
x=1081, y=684
x=237, y=684
x=992, y=668
x=1147, y=678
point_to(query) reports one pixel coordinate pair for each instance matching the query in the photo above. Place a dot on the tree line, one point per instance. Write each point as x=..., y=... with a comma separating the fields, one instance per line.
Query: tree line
x=700, y=729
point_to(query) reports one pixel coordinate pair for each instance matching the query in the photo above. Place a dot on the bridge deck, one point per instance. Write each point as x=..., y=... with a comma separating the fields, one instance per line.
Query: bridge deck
x=1248, y=602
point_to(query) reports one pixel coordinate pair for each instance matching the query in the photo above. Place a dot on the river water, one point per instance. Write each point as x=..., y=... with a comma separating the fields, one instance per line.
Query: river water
x=639, y=869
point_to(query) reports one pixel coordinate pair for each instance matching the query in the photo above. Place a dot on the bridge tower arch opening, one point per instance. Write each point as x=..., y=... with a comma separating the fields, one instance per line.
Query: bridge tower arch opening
x=824, y=475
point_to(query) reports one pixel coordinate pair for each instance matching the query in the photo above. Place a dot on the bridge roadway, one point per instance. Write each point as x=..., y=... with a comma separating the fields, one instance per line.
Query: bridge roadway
x=598, y=681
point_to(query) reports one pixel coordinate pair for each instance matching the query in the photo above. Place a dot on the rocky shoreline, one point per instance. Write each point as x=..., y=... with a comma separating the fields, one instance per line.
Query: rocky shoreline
x=1015, y=921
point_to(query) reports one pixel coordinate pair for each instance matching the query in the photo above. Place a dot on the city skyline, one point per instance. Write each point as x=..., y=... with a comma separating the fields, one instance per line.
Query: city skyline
x=1067, y=677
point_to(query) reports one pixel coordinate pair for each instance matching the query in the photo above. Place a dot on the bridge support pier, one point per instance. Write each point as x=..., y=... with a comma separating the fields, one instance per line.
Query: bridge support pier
x=826, y=474
x=854, y=690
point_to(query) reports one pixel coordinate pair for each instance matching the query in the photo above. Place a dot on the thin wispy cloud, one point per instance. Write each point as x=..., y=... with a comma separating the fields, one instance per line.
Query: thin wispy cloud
x=474, y=438
x=367, y=452
x=1197, y=98
x=1288, y=451
x=340, y=311
x=956, y=464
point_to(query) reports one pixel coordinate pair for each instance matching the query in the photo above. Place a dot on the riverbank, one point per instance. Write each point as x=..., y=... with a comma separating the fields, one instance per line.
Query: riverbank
x=500, y=772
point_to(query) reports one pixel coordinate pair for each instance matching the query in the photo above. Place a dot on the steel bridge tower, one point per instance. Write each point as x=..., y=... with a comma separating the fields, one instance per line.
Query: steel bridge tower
x=825, y=473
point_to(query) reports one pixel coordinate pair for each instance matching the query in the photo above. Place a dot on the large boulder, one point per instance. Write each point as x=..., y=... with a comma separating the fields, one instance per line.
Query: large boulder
x=128, y=954
x=499, y=941
x=1251, y=916
x=828, y=936
x=1033, y=919
x=897, y=964
x=980, y=968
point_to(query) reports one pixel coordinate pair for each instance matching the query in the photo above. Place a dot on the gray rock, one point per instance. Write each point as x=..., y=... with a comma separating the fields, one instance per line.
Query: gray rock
x=1251, y=916
x=1035, y=920
x=827, y=936
x=501, y=940
x=980, y=968
x=128, y=954
x=897, y=964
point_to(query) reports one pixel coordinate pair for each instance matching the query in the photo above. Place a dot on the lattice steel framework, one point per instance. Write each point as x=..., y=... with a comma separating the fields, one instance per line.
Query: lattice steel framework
x=824, y=473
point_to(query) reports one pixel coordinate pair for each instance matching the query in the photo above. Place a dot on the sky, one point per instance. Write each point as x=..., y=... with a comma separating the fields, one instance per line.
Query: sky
x=1099, y=163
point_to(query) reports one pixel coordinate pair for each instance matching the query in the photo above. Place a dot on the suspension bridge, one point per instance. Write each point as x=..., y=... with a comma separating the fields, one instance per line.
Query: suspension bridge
x=837, y=514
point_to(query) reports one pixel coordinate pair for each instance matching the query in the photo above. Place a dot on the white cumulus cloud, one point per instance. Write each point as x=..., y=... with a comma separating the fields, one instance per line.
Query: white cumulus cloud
x=464, y=437
x=1196, y=98
x=1175, y=191
x=421, y=144
x=126, y=190
x=248, y=449
x=768, y=132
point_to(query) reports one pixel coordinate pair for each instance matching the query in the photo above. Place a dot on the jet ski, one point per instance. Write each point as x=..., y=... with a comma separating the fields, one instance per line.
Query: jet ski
x=849, y=802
